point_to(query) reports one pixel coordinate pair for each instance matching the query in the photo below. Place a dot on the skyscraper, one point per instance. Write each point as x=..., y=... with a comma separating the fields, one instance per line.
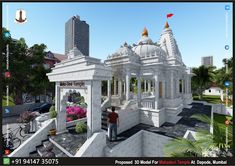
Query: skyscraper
x=207, y=61
x=77, y=35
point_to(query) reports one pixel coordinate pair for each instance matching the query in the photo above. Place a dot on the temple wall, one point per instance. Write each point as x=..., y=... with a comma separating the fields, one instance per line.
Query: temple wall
x=128, y=118
x=132, y=147
x=153, y=144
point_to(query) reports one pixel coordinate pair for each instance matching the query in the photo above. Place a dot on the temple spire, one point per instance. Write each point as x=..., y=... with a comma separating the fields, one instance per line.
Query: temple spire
x=166, y=25
x=145, y=32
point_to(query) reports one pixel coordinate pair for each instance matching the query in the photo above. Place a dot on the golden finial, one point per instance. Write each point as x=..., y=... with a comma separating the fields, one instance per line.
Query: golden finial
x=145, y=32
x=166, y=25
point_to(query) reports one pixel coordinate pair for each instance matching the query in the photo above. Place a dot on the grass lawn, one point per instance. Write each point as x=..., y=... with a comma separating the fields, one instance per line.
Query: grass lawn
x=213, y=99
x=4, y=101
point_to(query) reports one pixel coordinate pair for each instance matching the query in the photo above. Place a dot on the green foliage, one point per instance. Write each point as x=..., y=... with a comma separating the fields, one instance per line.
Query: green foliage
x=81, y=127
x=202, y=79
x=73, y=116
x=221, y=76
x=182, y=147
x=209, y=99
x=52, y=112
x=28, y=74
x=4, y=101
x=219, y=130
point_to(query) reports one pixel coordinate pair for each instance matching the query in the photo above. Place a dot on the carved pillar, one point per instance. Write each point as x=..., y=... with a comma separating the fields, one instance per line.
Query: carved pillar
x=93, y=107
x=127, y=86
x=172, y=85
x=156, y=92
x=149, y=86
x=183, y=86
x=163, y=89
x=114, y=86
x=189, y=84
x=120, y=88
x=177, y=82
x=145, y=86
x=109, y=89
x=139, y=90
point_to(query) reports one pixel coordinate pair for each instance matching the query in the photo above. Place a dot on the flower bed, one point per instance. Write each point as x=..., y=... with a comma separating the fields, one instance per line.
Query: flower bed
x=75, y=112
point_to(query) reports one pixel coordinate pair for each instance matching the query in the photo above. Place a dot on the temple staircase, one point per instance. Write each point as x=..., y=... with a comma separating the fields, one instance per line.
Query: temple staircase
x=58, y=150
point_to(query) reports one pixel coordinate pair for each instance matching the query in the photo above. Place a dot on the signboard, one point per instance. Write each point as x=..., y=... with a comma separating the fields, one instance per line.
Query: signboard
x=80, y=84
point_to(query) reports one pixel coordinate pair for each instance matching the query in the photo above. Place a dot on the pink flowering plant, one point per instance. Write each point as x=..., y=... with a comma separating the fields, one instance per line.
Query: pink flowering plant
x=76, y=110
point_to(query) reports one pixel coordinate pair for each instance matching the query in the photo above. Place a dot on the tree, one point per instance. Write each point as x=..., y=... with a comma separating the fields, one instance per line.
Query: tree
x=221, y=76
x=28, y=74
x=202, y=79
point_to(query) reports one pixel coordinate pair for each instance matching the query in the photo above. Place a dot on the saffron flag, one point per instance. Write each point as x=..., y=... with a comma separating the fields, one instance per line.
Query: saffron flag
x=169, y=15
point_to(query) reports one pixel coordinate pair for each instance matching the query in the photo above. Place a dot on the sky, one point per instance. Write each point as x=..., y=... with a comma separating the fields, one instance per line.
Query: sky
x=200, y=29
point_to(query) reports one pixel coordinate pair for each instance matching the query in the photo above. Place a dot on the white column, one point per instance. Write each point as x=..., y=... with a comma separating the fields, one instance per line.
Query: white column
x=172, y=85
x=114, y=86
x=120, y=88
x=183, y=86
x=61, y=117
x=127, y=86
x=124, y=87
x=177, y=82
x=61, y=113
x=145, y=86
x=189, y=85
x=139, y=90
x=156, y=79
x=149, y=86
x=109, y=89
x=93, y=107
x=163, y=89
x=186, y=85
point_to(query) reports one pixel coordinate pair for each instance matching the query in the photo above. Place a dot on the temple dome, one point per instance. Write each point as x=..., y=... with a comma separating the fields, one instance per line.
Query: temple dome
x=146, y=47
x=145, y=39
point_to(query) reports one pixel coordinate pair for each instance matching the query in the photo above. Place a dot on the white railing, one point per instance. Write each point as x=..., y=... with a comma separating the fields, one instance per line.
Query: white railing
x=36, y=139
x=105, y=104
x=148, y=103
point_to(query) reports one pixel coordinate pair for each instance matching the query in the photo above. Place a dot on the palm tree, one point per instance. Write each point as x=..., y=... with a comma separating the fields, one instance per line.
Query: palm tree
x=205, y=141
x=202, y=78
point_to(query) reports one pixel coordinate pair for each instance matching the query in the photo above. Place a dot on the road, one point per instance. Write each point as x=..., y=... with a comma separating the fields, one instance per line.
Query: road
x=11, y=122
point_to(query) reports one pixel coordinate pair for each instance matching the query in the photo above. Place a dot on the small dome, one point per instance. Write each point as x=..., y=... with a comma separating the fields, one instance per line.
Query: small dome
x=148, y=50
x=125, y=49
x=146, y=47
x=145, y=39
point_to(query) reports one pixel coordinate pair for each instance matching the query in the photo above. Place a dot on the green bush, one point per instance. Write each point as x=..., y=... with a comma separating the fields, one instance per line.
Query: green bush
x=52, y=112
x=52, y=108
x=81, y=127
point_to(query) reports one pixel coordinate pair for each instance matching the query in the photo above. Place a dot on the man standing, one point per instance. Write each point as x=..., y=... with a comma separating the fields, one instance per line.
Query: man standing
x=113, y=122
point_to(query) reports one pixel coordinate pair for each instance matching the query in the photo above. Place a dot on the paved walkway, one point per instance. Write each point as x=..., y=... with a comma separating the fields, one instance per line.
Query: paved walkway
x=170, y=129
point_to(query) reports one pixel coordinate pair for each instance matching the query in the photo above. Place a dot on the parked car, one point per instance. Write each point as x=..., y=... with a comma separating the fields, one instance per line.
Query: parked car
x=42, y=108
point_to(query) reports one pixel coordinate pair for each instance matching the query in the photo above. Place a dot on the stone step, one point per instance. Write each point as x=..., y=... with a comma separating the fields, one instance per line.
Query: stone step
x=57, y=151
x=104, y=127
x=34, y=154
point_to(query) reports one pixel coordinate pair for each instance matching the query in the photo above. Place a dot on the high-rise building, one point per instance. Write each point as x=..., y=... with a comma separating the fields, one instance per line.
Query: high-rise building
x=207, y=61
x=77, y=35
